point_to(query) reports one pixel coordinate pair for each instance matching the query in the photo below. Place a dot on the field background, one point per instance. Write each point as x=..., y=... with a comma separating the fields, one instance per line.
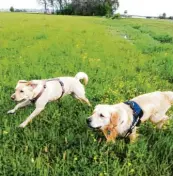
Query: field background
x=58, y=141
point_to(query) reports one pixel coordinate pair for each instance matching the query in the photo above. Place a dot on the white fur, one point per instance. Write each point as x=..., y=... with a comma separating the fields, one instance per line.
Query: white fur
x=154, y=105
x=82, y=75
x=53, y=91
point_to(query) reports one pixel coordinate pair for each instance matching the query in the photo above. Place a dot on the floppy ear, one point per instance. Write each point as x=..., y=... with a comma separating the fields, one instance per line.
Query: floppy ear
x=110, y=131
x=114, y=119
x=22, y=81
x=33, y=85
x=28, y=83
x=37, y=87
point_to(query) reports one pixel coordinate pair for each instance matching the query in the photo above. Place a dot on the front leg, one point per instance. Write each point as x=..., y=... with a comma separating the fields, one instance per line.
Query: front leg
x=20, y=105
x=29, y=119
x=133, y=136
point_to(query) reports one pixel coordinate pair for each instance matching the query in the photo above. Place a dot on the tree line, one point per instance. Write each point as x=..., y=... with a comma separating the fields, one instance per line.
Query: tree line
x=82, y=7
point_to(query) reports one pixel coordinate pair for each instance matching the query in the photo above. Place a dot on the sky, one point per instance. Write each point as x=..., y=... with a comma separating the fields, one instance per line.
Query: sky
x=134, y=7
x=147, y=7
x=29, y=4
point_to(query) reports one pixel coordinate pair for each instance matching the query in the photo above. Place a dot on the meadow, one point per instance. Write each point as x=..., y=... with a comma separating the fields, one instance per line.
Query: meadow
x=58, y=141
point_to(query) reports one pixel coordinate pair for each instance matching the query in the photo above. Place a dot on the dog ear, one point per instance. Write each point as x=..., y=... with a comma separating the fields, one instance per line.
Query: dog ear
x=33, y=85
x=114, y=119
x=37, y=86
x=22, y=81
x=110, y=131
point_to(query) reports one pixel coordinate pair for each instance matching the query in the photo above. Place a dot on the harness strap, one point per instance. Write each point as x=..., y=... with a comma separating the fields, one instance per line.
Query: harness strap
x=40, y=93
x=137, y=115
x=44, y=87
x=62, y=86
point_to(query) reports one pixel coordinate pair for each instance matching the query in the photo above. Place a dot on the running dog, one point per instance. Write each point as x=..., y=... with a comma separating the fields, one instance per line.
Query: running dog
x=121, y=119
x=41, y=92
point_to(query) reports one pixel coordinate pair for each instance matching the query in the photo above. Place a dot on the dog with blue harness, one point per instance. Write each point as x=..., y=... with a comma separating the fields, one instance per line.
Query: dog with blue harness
x=123, y=119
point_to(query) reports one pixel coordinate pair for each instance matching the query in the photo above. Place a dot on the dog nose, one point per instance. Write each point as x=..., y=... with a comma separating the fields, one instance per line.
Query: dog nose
x=13, y=97
x=88, y=120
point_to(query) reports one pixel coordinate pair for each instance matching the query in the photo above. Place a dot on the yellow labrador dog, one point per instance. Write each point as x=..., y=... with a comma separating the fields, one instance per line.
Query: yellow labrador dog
x=41, y=92
x=121, y=119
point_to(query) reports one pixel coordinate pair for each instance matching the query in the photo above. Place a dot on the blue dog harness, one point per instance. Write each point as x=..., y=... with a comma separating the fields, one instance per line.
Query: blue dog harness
x=137, y=115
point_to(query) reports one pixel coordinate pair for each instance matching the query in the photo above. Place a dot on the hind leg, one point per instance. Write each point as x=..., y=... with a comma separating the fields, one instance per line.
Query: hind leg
x=83, y=99
x=159, y=120
x=162, y=122
x=80, y=95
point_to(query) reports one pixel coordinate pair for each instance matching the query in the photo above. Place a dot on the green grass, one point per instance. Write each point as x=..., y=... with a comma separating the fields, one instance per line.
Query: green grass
x=58, y=141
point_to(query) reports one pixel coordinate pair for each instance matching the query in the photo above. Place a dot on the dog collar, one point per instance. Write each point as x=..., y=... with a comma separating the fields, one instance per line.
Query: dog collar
x=137, y=115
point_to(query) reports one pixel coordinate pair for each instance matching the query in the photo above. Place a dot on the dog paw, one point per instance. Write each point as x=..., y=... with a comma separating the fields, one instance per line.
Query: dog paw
x=22, y=125
x=11, y=111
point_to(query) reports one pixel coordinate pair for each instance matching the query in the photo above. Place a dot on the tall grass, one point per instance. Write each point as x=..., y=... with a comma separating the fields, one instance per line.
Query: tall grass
x=58, y=141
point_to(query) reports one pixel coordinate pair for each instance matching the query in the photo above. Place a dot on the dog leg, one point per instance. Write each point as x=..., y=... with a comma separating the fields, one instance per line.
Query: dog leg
x=79, y=93
x=85, y=100
x=29, y=119
x=159, y=120
x=162, y=122
x=20, y=105
x=133, y=136
x=82, y=99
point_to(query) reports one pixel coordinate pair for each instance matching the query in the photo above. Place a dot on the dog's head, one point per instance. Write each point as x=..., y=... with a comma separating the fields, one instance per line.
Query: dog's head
x=103, y=116
x=24, y=90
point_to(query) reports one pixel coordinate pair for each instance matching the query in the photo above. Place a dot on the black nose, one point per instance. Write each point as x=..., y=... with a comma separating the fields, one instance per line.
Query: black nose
x=88, y=120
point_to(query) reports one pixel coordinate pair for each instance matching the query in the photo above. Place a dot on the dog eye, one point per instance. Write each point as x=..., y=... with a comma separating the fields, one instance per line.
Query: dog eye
x=21, y=91
x=101, y=115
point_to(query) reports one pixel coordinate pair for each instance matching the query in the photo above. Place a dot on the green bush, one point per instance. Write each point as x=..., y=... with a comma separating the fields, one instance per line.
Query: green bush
x=116, y=16
x=136, y=26
x=165, y=38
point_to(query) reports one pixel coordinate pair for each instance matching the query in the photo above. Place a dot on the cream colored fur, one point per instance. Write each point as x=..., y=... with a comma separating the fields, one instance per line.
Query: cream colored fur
x=27, y=90
x=154, y=105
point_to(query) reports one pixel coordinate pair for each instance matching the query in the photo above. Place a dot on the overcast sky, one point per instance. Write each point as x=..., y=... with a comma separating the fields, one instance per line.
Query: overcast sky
x=147, y=7
x=135, y=7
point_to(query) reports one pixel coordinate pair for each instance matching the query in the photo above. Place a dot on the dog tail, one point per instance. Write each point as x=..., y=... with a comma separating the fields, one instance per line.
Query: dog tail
x=82, y=76
x=169, y=95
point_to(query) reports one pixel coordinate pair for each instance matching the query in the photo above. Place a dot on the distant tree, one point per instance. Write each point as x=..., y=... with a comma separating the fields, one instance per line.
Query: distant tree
x=125, y=12
x=171, y=18
x=49, y=3
x=11, y=9
x=82, y=7
x=44, y=3
x=164, y=15
x=94, y=7
x=60, y=4
x=114, y=4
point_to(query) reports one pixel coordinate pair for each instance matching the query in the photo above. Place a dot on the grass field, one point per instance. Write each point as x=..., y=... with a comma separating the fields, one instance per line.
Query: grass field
x=58, y=141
